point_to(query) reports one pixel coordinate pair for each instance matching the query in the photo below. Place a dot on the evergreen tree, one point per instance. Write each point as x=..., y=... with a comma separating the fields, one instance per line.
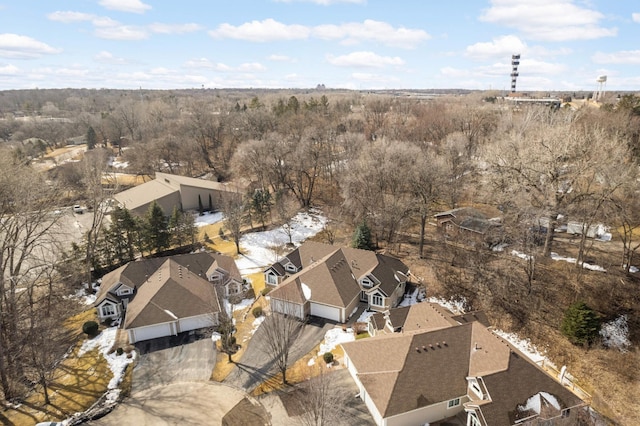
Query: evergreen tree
x=260, y=204
x=581, y=324
x=362, y=237
x=157, y=235
x=123, y=234
x=92, y=138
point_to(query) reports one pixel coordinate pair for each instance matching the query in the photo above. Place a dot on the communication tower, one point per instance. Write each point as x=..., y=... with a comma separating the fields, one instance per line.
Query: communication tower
x=515, y=61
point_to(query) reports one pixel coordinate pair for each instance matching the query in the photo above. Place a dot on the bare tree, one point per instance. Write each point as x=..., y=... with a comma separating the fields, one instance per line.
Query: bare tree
x=321, y=400
x=280, y=330
x=234, y=208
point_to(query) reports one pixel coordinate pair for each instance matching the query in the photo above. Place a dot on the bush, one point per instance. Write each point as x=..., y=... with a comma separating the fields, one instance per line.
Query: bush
x=250, y=293
x=90, y=328
x=119, y=351
x=328, y=357
x=257, y=311
x=581, y=324
x=265, y=291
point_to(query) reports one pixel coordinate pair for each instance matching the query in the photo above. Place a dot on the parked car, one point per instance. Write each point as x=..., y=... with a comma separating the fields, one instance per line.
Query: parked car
x=78, y=209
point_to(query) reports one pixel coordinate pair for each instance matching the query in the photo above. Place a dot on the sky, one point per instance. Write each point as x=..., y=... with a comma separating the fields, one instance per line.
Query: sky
x=565, y=45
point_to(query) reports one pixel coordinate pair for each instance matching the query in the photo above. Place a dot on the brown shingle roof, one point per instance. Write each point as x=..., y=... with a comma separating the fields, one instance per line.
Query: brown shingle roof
x=513, y=387
x=172, y=292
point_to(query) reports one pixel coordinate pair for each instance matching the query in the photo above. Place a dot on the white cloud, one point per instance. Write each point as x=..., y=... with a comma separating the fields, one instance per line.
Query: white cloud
x=635, y=17
x=174, y=28
x=121, y=32
x=499, y=47
x=108, y=58
x=323, y=2
x=347, y=33
x=251, y=67
x=23, y=47
x=280, y=58
x=261, y=31
x=621, y=57
x=9, y=70
x=70, y=16
x=133, y=6
x=370, y=30
x=363, y=59
x=551, y=20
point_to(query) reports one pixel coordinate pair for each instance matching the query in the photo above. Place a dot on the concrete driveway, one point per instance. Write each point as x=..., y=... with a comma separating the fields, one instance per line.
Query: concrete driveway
x=194, y=403
x=256, y=365
x=171, y=362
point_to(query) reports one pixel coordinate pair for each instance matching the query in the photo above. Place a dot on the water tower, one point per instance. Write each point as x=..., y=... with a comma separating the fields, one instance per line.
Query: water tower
x=515, y=61
x=602, y=87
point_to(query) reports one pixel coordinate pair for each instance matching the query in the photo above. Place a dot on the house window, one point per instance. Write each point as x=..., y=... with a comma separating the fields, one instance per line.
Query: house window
x=366, y=282
x=473, y=420
x=453, y=403
x=363, y=296
x=108, y=310
x=124, y=291
x=271, y=279
x=376, y=299
x=290, y=267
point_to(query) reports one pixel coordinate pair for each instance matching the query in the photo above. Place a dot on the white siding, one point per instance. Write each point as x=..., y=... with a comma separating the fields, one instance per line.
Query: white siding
x=429, y=414
x=325, y=311
x=289, y=308
x=194, y=323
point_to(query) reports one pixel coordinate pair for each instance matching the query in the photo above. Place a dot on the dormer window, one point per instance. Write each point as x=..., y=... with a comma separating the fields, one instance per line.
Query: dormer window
x=124, y=291
x=366, y=282
x=290, y=267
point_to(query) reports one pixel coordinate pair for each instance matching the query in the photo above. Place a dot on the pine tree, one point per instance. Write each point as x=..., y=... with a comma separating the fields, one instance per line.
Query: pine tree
x=581, y=324
x=92, y=139
x=362, y=237
x=157, y=236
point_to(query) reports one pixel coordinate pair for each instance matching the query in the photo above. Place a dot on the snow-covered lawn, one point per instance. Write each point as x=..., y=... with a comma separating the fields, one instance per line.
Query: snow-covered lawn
x=334, y=337
x=615, y=334
x=364, y=317
x=256, y=323
x=413, y=298
x=117, y=363
x=208, y=219
x=261, y=249
x=457, y=307
x=244, y=303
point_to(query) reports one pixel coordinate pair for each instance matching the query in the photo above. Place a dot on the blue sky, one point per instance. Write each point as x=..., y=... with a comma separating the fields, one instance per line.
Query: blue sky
x=355, y=44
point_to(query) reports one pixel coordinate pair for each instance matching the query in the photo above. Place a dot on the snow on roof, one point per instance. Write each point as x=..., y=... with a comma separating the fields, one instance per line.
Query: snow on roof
x=306, y=291
x=171, y=314
x=535, y=402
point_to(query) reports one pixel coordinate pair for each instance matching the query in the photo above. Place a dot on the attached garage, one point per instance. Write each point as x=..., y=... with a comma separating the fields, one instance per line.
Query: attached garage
x=151, y=332
x=326, y=311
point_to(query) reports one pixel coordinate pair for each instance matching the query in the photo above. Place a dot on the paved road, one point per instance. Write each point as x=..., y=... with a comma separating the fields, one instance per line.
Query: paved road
x=256, y=365
x=187, y=362
x=194, y=403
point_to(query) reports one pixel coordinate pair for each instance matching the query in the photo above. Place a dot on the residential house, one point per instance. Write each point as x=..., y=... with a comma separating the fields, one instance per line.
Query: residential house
x=462, y=371
x=171, y=191
x=423, y=316
x=332, y=282
x=470, y=225
x=165, y=296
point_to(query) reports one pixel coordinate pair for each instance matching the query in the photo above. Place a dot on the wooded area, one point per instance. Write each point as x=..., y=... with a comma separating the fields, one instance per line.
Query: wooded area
x=390, y=162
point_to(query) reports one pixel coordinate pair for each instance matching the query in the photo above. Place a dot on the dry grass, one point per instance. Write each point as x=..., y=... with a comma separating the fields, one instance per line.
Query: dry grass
x=76, y=384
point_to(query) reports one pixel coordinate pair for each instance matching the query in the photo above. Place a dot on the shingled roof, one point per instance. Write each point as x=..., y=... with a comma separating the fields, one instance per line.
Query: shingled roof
x=170, y=293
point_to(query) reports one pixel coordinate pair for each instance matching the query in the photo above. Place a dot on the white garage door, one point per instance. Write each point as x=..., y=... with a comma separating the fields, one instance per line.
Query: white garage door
x=150, y=332
x=324, y=311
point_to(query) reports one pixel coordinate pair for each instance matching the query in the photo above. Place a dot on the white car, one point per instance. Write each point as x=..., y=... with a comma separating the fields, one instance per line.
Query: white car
x=78, y=209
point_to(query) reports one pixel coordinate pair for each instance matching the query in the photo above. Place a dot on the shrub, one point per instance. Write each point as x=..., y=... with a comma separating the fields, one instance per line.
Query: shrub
x=221, y=233
x=265, y=291
x=328, y=357
x=257, y=311
x=581, y=324
x=90, y=328
x=119, y=351
x=250, y=293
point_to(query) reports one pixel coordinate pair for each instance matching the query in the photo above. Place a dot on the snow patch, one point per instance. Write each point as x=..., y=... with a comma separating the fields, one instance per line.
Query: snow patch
x=524, y=345
x=260, y=249
x=364, y=317
x=256, y=323
x=334, y=337
x=311, y=362
x=208, y=219
x=535, y=402
x=455, y=306
x=520, y=255
x=306, y=291
x=556, y=256
x=117, y=363
x=615, y=334
x=215, y=336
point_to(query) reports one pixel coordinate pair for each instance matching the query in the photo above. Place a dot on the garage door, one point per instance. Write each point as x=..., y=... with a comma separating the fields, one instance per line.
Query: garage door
x=324, y=311
x=151, y=332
